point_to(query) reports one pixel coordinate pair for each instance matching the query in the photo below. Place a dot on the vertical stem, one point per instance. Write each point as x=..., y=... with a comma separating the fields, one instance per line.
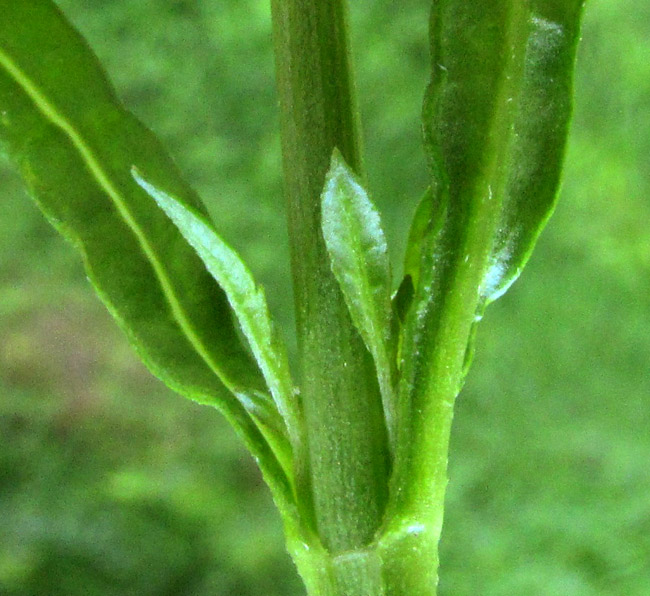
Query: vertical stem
x=348, y=457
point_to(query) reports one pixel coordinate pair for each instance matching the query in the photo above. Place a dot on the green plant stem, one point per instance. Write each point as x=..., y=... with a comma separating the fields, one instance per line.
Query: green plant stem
x=348, y=453
x=348, y=450
x=398, y=564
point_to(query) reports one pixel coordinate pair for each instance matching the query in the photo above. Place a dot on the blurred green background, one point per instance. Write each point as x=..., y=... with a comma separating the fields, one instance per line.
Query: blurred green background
x=111, y=485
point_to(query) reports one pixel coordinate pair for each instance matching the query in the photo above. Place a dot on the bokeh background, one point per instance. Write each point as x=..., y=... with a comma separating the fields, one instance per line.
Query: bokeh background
x=111, y=485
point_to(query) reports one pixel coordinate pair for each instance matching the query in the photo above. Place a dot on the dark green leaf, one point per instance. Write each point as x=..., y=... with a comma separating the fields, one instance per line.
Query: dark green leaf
x=75, y=145
x=495, y=118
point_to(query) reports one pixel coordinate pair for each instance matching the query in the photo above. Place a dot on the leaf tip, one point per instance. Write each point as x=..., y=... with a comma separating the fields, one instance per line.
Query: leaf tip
x=338, y=170
x=137, y=176
x=337, y=158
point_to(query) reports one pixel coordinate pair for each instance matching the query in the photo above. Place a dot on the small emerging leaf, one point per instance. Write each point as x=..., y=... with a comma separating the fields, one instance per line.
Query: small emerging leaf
x=403, y=298
x=424, y=219
x=359, y=258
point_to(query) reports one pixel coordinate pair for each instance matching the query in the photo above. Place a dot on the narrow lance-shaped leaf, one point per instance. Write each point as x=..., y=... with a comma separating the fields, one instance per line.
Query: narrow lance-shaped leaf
x=74, y=144
x=495, y=117
x=245, y=297
x=359, y=258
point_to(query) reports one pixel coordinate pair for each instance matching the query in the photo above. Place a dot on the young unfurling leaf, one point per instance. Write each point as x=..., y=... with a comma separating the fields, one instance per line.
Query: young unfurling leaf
x=359, y=258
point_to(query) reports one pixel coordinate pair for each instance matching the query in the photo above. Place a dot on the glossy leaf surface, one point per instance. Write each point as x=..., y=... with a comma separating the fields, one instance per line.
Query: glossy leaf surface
x=358, y=253
x=75, y=145
x=495, y=117
x=246, y=298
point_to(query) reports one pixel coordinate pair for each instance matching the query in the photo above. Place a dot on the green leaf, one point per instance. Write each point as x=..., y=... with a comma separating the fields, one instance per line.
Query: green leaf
x=495, y=117
x=74, y=145
x=403, y=298
x=423, y=220
x=358, y=255
x=246, y=298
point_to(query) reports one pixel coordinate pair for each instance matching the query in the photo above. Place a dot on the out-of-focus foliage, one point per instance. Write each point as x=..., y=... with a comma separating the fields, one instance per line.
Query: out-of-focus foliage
x=111, y=485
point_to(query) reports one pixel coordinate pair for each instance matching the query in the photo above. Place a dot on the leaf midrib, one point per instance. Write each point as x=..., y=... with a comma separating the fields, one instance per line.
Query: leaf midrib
x=497, y=151
x=51, y=113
